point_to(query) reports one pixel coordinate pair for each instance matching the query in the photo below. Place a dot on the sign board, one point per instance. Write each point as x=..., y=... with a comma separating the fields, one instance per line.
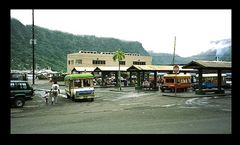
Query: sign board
x=176, y=69
x=33, y=41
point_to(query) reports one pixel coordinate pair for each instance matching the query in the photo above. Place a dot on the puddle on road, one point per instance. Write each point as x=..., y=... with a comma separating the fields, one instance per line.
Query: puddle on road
x=168, y=105
x=197, y=101
x=132, y=95
x=131, y=104
x=228, y=110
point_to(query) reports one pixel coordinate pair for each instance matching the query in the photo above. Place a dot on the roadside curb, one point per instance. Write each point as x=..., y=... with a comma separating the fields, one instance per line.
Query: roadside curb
x=195, y=96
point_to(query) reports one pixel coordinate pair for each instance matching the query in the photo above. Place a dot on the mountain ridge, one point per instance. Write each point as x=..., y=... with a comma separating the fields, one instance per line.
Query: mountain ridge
x=53, y=46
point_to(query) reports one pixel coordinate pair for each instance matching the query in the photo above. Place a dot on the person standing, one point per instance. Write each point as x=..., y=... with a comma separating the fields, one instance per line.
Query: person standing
x=55, y=91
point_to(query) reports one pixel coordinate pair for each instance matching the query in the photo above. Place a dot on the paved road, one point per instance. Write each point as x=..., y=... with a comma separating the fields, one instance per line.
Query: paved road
x=127, y=112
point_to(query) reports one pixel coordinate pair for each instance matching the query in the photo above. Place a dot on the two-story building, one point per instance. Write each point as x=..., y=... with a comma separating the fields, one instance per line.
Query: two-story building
x=95, y=59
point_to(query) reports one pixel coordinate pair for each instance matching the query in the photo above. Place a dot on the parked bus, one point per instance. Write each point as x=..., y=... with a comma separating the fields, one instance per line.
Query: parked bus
x=180, y=81
x=210, y=81
x=79, y=86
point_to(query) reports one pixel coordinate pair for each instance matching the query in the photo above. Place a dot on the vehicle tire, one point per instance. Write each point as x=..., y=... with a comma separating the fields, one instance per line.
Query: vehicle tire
x=19, y=102
x=92, y=99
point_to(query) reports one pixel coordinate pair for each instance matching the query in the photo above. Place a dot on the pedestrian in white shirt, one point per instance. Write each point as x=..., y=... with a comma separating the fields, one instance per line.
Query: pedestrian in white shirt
x=55, y=91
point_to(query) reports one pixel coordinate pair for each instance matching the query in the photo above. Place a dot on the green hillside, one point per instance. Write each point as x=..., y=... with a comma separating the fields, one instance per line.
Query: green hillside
x=53, y=46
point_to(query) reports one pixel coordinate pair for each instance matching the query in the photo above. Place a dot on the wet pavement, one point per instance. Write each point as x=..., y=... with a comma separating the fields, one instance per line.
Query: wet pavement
x=126, y=111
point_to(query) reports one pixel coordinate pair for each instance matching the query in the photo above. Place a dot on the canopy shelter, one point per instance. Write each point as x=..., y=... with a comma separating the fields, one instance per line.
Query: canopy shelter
x=108, y=69
x=153, y=68
x=209, y=67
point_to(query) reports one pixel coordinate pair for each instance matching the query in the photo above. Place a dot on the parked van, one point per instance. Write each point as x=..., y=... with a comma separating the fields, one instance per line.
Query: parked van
x=180, y=81
x=80, y=86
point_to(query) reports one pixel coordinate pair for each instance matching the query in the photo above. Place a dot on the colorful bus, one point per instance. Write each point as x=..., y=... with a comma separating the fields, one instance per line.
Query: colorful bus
x=178, y=81
x=79, y=86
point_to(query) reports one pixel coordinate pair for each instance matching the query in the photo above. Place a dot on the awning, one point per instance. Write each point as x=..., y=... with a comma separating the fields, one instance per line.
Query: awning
x=110, y=68
x=166, y=68
x=83, y=69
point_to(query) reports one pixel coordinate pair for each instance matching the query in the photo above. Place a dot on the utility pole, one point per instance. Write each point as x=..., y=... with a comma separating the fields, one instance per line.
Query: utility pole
x=33, y=41
x=173, y=61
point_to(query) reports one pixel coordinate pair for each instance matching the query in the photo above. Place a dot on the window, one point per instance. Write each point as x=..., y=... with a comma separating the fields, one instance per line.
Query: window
x=72, y=62
x=98, y=62
x=12, y=86
x=69, y=62
x=122, y=62
x=78, y=61
x=169, y=80
x=22, y=86
x=86, y=83
x=77, y=84
x=139, y=63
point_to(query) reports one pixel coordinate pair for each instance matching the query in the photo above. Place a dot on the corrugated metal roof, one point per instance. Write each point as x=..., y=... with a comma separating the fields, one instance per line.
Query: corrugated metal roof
x=209, y=64
x=82, y=69
x=110, y=68
x=156, y=68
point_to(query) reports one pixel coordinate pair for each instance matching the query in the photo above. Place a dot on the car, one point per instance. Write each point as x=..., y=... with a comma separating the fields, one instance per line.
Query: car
x=20, y=92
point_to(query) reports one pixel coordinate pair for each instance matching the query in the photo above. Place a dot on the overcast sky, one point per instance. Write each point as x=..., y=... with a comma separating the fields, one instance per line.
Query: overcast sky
x=155, y=29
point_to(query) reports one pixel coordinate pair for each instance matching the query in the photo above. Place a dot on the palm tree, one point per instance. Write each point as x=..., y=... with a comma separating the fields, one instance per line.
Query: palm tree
x=119, y=55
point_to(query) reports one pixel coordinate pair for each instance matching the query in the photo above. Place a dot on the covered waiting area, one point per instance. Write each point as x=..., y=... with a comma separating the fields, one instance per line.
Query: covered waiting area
x=106, y=70
x=143, y=69
x=209, y=67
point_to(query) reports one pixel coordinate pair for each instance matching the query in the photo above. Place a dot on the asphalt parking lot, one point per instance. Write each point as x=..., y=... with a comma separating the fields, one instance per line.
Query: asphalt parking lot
x=124, y=112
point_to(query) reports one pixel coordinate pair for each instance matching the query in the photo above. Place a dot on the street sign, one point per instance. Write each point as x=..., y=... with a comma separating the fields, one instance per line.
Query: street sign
x=33, y=41
x=176, y=69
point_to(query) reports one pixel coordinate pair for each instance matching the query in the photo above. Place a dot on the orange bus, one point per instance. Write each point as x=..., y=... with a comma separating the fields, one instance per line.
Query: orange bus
x=180, y=81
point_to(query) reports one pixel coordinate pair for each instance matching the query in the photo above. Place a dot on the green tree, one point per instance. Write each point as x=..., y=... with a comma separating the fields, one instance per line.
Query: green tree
x=119, y=55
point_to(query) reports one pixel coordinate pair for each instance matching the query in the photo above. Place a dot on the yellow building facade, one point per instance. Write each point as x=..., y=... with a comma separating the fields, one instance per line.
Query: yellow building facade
x=94, y=59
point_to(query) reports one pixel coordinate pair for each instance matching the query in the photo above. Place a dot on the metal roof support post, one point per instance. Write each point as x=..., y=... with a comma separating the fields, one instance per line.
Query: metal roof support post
x=200, y=71
x=103, y=78
x=130, y=78
x=220, y=81
x=155, y=81
x=143, y=76
x=138, y=81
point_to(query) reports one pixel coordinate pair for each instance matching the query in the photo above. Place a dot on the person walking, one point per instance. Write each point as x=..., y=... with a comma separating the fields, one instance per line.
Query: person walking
x=46, y=96
x=55, y=91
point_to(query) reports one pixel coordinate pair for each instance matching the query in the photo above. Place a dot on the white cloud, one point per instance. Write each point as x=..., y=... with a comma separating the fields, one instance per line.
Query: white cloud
x=155, y=29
